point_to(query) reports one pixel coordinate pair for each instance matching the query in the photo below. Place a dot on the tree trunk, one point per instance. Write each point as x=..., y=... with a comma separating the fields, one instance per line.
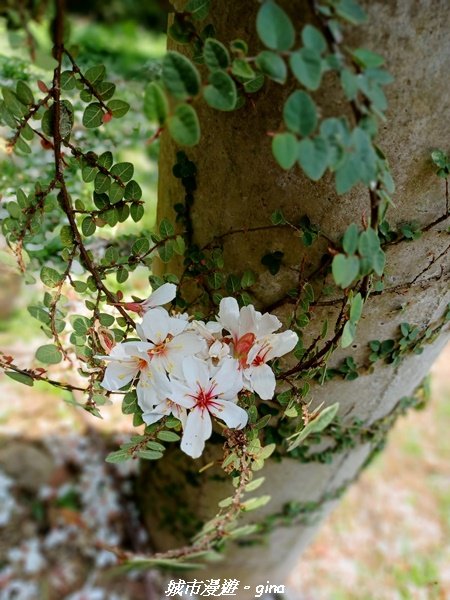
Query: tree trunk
x=240, y=186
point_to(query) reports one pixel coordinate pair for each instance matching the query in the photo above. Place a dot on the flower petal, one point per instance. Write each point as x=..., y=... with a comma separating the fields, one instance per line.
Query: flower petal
x=281, y=343
x=155, y=325
x=118, y=374
x=234, y=416
x=152, y=416
x=196, y=373
x=268, y=324
x=197, y=430
x=229, y=315
x=262, y=381
x=228, y=379
x=248, y=320
x=181, y=394
x=164, y=294
x=153, y=387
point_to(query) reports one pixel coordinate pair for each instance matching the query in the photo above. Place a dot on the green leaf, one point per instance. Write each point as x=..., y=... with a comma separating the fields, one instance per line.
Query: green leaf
x=346, y=175
x=106, y=320
x=180, y=76
x=179, y=245
x=220, y=93
x=284, y=149
x=66, y=235
x=121, y=275
x=198, y=9
x=351, y=11
x=306, y=65
x=93, y=115
x=215, y=54
x=102, y=183
x=117, y=456
x=118, y=108
x=24, y=94
x=20, y=377
x=356, y=308
x=50, y=277
x=156, y=105
x=244, y=530
x=365, y=155
x=68, y=80
x=274, y=27
x=255, y=503
x=318, y=424
x=166, y=252
x=12, y=103
x=379, y=262
x=313, y=157
x=95, y=74
x=168, y=436
x=88, y=173
x=345, y=269
x=116, y=192
x=350, y=239
x=369, y=248
x=272, y=260
x=239, y=47
x=278, y=218
x=184, y=126
x=349, y=82
x=254, y=85
x=105, y=159
x=248, y=278
x=123, y=170
x=367, y=59
x=300, y=113
x=242, y=69
x=49, y=354
x=348, y=334
x=39, y=313
x=133, y=191
x=65, y=122
x=140, y=246
x=105, y=90
x=255, y=484
x=88, y=226
x=166, y=228
x=272, y=65
x=136, y=212
x=314, y=39
x=150, y=454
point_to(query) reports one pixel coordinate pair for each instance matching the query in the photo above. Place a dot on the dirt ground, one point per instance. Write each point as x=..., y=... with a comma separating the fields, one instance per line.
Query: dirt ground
x=60, y=503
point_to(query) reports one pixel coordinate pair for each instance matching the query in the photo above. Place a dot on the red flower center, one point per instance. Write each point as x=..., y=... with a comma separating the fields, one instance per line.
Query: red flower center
x=160, y=348
x=242, y=347
x=205, y=398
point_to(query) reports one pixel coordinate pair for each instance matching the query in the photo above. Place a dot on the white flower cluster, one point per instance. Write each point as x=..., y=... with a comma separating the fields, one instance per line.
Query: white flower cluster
x=195, y=370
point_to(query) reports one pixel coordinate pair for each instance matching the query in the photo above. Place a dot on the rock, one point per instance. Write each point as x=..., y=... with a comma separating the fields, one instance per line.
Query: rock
x=29, y=466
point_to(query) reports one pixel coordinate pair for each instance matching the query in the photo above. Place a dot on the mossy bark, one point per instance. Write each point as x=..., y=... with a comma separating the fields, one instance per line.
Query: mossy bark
x=240, y=186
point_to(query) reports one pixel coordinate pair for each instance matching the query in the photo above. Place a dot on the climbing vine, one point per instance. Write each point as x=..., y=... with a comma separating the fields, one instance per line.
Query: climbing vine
x=109, y=345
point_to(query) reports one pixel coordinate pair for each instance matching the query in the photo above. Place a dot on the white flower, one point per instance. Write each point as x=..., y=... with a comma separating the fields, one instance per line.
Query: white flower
x=164, y=294
x=207, y=393
x=126, y=362
x=258, y=376
x=245, y=321
x=169, y=342
x=216, y=349
x=164, y=406
x=246, y=326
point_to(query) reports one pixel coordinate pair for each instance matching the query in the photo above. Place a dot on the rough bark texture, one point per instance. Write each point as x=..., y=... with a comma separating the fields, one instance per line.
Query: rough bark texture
x=239, y=186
